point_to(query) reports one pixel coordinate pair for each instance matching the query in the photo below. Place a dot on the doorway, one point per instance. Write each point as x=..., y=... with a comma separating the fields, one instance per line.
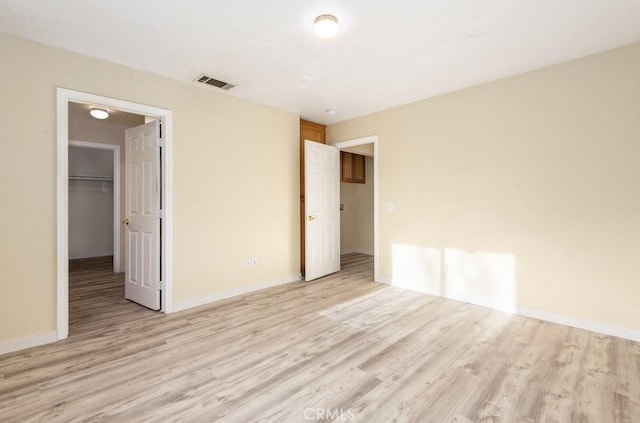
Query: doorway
x=367, y=146
x=65, y=99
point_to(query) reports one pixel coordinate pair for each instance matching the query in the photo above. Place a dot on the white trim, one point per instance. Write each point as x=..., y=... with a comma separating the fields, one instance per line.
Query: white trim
x=167, y=218
x=117, y=268
x=371, y=139
x=364, y=251
x=196, y=302
x=18, y=344
x=64, y=97
x=605, y=328
x=62, y=195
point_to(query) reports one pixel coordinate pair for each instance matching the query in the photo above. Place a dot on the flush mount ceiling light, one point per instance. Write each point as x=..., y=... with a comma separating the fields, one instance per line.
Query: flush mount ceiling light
x=99, y=113
x=325, y=26
x=331, y=111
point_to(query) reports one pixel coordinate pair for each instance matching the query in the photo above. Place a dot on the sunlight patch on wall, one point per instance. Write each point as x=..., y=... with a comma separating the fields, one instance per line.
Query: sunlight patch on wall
x=487, y=279
x=483, y=278
x=416, y=268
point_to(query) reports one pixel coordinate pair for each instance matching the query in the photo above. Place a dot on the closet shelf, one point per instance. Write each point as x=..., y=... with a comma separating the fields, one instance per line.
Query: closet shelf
x=90, y=178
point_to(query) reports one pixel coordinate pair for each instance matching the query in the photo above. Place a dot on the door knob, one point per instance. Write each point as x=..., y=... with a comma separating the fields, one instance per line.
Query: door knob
x=126, y=221
x=310, y=218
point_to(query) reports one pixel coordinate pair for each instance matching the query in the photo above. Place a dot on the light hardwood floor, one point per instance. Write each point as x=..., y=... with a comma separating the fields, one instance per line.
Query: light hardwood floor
x=306, y=351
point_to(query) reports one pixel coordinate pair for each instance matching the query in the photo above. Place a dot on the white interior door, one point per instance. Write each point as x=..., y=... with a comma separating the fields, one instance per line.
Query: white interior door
x=143, y=214
x=322, y=209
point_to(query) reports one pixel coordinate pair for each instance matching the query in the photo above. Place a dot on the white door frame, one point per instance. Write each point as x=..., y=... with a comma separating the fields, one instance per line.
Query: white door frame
x=372, y=139
x=117, y=268
x=64, y=97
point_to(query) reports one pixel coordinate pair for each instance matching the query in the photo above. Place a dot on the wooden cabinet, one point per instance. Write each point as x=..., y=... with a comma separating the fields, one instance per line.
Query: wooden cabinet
x=353, y=169
x=346, y=164
x=358, y=168
x=314, y=132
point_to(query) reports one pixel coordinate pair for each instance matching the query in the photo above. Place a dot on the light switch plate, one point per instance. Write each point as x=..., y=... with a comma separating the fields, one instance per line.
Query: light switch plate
x=388, y=206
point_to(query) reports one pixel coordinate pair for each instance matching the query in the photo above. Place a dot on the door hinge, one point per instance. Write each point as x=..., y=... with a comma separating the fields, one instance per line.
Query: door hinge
x=159, y=285
x=160, y=214
x=160, y=139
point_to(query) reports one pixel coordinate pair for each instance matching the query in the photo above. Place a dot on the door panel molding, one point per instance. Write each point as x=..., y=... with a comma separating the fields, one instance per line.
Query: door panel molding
x=322, y=210
x=142, y=203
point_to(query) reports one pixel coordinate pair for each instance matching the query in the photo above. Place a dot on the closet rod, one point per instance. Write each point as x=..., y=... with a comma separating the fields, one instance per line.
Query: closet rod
x=91, y=178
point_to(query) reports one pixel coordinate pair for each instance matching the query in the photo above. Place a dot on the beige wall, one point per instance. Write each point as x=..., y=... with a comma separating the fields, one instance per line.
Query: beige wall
x=356, y=221
x=525, y=190
x=235, y=184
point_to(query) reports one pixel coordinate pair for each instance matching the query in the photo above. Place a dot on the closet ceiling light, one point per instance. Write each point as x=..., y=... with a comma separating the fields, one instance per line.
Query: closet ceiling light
x=99, y=113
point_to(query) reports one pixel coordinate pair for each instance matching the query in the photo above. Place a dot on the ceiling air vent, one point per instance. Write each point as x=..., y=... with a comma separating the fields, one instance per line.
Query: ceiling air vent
x=205, y=79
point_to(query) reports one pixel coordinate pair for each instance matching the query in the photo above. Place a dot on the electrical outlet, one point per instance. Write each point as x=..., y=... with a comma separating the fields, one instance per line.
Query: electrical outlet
x=254, y=261
x=247, y=262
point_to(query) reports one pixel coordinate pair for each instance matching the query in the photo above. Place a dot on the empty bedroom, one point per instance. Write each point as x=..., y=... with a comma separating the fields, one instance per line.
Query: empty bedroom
x=362, y=211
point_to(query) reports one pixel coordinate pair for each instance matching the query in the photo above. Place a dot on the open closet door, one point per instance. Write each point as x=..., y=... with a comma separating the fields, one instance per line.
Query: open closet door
x=143, y=214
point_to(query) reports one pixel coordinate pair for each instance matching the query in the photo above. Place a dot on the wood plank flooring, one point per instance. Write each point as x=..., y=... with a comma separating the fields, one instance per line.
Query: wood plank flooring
x=341, y=349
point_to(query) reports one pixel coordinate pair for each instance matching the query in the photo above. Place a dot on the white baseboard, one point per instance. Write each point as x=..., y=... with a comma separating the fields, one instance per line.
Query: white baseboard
x=575, y=322
x=384, y=279
x=25, y=342
x=356, y=250
x=195, y=302
x=599, y=327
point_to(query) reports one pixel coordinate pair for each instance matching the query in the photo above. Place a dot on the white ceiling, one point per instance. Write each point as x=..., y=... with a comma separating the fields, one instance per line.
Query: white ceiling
x=387, y=53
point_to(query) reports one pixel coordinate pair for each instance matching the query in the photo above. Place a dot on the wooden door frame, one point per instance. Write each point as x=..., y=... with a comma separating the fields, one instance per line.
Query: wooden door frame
x=115, y=149
x=372, y=139
x=63, y=98
x=320, y=129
